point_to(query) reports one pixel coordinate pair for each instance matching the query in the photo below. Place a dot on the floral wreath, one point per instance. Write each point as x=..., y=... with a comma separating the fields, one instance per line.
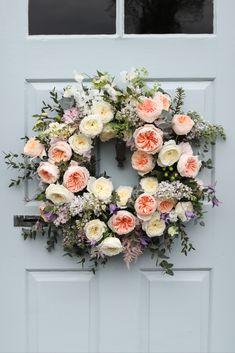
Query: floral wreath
x=83, y=209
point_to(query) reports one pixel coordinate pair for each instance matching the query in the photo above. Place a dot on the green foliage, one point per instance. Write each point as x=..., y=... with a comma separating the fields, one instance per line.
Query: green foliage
x=178, y=101
x=185, y=243
x=121, y=125
x=26, y=168
x=166, y=267
x=204, y=133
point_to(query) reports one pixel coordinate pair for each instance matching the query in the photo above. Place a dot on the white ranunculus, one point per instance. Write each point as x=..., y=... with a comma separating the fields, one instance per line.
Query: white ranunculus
x=102, y=188
x=149, y=185
x=169, y=154
x=91, y=125
x=155, y=226
x=103, y=110
x=80, y=143
x=172, y=231
x=95, y=229
x=58, y=194
x=124, y=194
x=111, y=246
x=181, y=208
x=107, y=133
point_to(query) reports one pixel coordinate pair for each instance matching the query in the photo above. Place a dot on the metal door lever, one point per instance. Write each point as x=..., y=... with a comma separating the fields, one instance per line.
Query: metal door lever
x=25, y=220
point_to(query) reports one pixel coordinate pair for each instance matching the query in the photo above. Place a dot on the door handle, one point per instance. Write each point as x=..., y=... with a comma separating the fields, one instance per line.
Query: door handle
x=25, y=220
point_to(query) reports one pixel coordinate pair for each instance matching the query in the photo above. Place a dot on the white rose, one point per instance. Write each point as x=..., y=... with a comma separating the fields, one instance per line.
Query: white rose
x=80, y=143
x=58, y=194
x=181, y=208
x=124, y=193
x=95, y=229
x=149, y=185
x=103, y=110
x=102, y=188
x=155, y=226
x=107, y=133
x=169, y=154
x=91, y=125
x=111, y=246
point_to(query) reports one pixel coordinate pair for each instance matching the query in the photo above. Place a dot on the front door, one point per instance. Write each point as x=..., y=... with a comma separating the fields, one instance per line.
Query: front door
x=48, y=302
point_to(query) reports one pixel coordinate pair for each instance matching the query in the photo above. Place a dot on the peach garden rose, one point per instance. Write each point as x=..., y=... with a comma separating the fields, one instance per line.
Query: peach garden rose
x=165, y=99
x=149, y=109
x=182, y=124
x=145, y=206
x=34, y=148
x=60, y=152
x=123, y=222
x=49, y=173
x=76, y=178
x=189, y=165
x=142, y=162
x=148, y=139
x=165, y=205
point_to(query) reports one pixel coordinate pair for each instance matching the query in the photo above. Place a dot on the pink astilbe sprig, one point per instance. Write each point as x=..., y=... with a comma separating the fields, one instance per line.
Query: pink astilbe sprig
x=131, y=250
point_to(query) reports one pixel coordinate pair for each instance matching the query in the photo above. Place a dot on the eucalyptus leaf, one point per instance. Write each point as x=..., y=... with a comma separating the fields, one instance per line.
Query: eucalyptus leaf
x=66, y=102
x=167, y=116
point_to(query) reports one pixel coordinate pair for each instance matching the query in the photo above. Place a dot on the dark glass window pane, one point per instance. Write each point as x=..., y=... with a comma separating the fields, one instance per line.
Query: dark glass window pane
x=72, y=17
x=168, y=16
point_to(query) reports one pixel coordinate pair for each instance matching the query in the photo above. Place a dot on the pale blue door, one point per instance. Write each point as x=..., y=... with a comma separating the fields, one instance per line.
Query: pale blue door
x=48, y=303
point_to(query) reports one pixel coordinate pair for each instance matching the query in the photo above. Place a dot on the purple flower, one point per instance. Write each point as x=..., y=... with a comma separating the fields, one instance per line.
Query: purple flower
x=165, y=217
x=50, y=216
x=212, y=186
x=91, y=242
x=190, y=214
x=144, y=240
x=113, y=208
x=215, y=201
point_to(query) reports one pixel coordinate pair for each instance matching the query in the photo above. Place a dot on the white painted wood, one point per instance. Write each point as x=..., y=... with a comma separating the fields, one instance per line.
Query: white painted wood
x=47, y=302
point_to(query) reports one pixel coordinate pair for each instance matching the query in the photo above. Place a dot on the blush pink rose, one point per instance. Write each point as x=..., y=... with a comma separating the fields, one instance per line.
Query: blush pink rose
x=123, y=222
x=149, y=109
x=148, y=138
x=142, y=162
x=188, y=165
x=165, y=206
x=145, y=206
x=76, y=178
x=182, y=124
x=60, y=152
x=49, y=173
x=186, y=148
x=34, y=148
x=165, y=99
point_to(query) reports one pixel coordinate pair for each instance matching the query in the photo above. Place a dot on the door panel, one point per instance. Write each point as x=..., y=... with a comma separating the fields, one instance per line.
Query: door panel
x=48, y=302
x=60, y=306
